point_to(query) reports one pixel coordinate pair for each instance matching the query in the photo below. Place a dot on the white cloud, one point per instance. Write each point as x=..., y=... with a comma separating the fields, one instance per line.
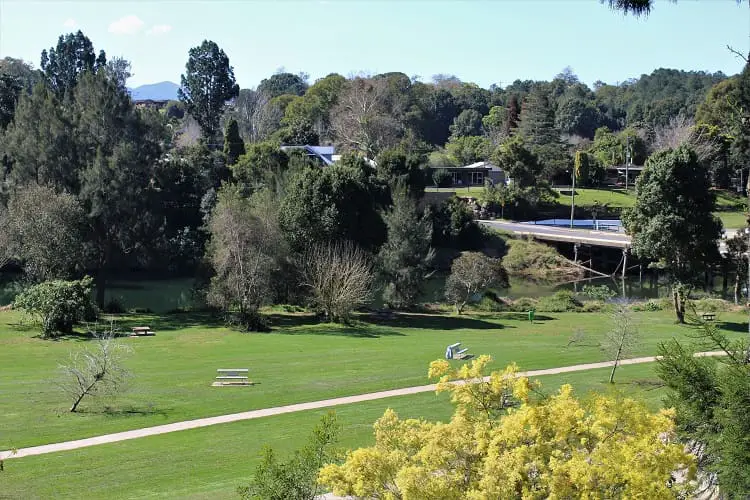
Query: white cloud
x=70, y=23
x=128, y=25
x=159, y=29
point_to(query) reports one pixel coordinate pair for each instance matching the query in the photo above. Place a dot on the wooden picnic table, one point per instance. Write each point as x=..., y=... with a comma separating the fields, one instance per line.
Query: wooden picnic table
x=142, y=330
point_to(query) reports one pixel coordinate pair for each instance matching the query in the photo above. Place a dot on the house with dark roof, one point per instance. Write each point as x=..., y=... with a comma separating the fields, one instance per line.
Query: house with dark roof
x=476, y=174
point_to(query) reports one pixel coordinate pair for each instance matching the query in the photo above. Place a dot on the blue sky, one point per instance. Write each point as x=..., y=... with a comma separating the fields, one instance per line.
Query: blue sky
x=491, y=41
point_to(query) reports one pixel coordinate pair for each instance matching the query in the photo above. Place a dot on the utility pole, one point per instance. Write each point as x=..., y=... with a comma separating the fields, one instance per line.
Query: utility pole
x=627, y=161
x=573, y=199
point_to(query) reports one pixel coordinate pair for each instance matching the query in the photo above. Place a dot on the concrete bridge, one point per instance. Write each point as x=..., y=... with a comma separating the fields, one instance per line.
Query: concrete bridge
x=578, y=237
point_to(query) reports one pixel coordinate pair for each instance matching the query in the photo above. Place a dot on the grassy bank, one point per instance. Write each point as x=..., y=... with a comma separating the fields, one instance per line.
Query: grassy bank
x=210, y=463
x=299, y=361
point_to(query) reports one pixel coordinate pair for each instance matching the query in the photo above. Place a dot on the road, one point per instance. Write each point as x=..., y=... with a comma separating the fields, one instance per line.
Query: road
x=280, y=410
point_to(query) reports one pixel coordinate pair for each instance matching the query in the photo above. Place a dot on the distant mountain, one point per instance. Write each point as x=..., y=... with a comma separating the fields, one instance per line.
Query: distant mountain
x=162, y=91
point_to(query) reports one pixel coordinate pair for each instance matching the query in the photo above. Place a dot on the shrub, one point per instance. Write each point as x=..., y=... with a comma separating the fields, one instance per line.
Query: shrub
x=524, y=304
x=529, y=259
x=598, y=292
x=712, y=305
x=649, y=306
x=562, y=301
x=442, y=178
x=471, y=275
x=597, y=306
x=58, y=305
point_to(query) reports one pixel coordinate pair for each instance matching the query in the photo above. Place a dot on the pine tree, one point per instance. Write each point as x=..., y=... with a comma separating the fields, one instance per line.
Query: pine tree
x=234, y=147
x=406, y=255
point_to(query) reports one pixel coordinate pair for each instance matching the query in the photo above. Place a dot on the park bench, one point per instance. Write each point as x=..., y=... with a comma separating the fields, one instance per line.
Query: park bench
x=449, y=351
x=139, y=331
x=462, y=353
x=231, y=376
x=708, y=316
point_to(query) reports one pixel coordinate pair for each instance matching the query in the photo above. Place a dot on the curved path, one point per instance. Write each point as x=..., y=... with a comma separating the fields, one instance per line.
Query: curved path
x=279, y=410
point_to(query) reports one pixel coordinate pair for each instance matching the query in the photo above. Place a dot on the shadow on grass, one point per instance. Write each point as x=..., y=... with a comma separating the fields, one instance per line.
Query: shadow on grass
x=522, y=316
x=731, y=326
x=309, y=324
x=437, y=322
x=167, y=322
x=128, y=411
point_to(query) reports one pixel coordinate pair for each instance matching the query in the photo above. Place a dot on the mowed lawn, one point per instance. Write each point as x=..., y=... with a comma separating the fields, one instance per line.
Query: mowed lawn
x=209, y=463
x=299, y=361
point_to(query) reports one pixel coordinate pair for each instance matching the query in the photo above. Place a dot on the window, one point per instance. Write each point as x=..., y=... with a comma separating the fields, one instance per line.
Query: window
x=456, y=178
x=477, y=178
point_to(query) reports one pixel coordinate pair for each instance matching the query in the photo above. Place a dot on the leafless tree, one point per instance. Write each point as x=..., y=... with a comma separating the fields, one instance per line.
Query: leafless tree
x=340, y=278
x=95, y=370
x=473, y=273
x=622, y=339
x=361, y=121
x=682, y=130
x=256, y=114
x=244, y=248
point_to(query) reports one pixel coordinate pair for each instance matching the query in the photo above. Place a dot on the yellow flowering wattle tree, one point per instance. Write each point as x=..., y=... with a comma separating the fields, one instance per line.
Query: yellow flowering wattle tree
x=505, y=442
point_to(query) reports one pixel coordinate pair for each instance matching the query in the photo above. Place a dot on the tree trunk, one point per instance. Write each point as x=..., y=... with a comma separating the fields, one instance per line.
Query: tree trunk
x=678, y=306
x=737, y=288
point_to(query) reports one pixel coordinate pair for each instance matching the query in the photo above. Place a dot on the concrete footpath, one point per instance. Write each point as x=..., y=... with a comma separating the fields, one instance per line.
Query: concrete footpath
x=280, y=410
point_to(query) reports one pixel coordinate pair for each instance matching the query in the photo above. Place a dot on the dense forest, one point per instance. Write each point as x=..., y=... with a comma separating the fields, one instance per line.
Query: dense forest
x=95, y=183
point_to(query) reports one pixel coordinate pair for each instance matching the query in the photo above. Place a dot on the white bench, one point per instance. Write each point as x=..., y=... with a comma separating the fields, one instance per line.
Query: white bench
x=462, y=353
x=231, y=376
x=141, y=330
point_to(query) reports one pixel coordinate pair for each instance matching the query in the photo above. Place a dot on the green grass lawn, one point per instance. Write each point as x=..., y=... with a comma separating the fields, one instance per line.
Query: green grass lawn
x=210, y=463
x=299, y=361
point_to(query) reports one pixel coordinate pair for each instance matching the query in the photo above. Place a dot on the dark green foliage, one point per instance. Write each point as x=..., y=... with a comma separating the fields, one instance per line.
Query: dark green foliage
x=208, y=83
x=468, y=150
x=234, y=147
x=712, y=400
x=264, y=163
x=518, y=162
x=441, y=177
x=63, y=65
x=468, y=123
x=335, y=203
x=281, y=84
x=10, y=89
x=406, y=255
x=40, y=144
x=454, y=226
x=58, y=305
x=175, y=110
x=672, y=218
x=397, y=168
x=672, y=221
x=295, y=479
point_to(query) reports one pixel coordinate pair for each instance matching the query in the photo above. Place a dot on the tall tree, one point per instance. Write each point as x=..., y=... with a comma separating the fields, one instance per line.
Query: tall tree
x=283, y=83
x=336, y=203
x=537, y=127
x=10, y=89
x=244, y=250
x=234, y=147
x=406, y=255
x=40, y=143
x=672, y=220
x=206, y=86
x=361, y=120
x=397, y=168
x=119, y=152
x=44, y=230
x=63, y=65
x=712, y=402
x=467, y=123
